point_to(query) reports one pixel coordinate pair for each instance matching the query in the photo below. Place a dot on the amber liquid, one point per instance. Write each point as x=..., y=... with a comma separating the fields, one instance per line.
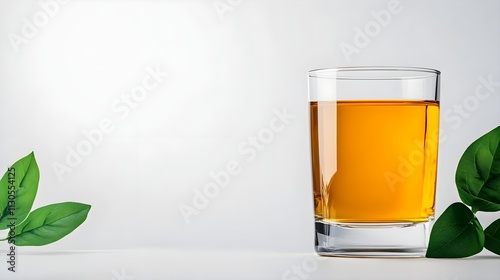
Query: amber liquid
x=374, y=161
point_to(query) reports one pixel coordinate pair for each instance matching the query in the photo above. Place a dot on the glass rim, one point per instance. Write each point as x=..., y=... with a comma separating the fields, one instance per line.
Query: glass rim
x=339, y=73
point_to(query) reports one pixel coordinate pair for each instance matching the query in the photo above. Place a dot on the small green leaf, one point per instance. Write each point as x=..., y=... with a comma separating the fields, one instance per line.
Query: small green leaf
x=50, y=223
x=478, y=173
x=456, y=234
x=25, y=185
x=492, y=237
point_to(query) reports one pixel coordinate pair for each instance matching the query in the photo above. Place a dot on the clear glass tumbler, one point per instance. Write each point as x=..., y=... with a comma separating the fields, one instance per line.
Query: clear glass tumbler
x=374, y=146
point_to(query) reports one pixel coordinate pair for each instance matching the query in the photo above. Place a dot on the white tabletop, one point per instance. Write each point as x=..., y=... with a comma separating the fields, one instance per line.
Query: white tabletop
x=174, y=264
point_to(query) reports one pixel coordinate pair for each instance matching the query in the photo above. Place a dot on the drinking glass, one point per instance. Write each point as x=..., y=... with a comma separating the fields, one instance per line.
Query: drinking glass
x=374, y=145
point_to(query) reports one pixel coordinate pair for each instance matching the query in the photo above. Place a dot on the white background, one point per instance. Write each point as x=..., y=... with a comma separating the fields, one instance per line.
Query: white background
x=229, y=72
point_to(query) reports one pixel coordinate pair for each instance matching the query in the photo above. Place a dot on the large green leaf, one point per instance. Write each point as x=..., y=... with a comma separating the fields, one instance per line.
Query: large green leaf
x=492, y=237
x=25, y=184
x=50, y=223
x=478, y=173
x=456, y=234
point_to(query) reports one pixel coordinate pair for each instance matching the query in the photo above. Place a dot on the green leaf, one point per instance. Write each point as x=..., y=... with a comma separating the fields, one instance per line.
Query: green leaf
x=456, y=234
x=478, y=173
x=25, y=185
x=492, y=237
x=50, y=223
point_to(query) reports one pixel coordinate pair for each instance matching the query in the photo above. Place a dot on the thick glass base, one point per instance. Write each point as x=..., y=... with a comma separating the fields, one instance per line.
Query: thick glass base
x=372, y=239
